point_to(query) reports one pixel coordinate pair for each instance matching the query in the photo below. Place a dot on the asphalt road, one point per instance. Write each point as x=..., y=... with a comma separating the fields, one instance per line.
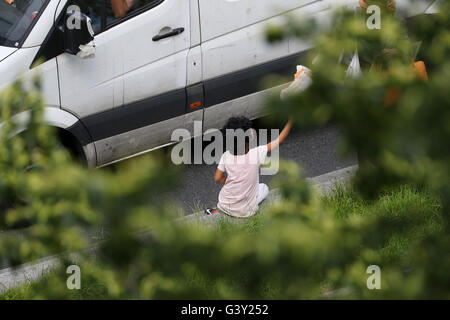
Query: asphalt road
x=316, y=150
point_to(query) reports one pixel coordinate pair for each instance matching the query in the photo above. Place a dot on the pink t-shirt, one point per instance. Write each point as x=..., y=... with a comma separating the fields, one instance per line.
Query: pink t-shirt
x=238, y=196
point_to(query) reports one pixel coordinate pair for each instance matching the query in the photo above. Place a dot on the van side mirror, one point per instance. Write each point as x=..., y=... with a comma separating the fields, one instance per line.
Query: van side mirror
x=78, y=34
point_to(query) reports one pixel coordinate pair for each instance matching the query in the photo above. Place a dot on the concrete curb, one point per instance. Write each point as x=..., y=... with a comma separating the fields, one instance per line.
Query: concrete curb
x=327, y=182
x=11, y=278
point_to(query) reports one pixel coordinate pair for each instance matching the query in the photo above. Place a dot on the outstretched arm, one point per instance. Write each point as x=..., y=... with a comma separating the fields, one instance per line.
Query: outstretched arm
x=121, y=7
x=282, y=137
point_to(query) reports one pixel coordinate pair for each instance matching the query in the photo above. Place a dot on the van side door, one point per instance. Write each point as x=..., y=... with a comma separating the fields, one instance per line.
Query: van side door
x=93, y=85
x=154, y=43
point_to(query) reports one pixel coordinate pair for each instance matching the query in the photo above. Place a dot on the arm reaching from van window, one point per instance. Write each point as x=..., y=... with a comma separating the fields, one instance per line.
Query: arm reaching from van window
x=282, y=137
x=121, y=7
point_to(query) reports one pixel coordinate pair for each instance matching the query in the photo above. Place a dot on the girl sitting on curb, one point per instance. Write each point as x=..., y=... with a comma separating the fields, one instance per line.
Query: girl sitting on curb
x=239, y=171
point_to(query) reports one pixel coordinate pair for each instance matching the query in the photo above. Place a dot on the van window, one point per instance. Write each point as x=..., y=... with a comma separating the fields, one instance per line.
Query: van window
x=119, y=9
x=16, y=17
x=93, y=9
x=105, y=13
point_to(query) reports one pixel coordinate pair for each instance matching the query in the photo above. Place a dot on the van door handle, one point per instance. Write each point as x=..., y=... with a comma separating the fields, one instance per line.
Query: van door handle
x=172, y=33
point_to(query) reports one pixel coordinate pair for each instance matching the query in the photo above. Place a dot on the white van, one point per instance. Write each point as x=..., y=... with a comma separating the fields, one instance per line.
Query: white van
x=160, y=66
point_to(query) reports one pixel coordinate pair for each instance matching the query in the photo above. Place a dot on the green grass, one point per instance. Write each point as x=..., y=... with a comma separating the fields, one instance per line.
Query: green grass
x=411, y=213
x=91, y=288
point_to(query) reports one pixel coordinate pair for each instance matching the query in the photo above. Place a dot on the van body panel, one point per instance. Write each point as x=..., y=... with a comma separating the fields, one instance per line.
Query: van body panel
x=60, y=7
x=194, y=66
x=144, y=139
x=220, y=17
x=239, y=50
x=52, y=116
x=191, y=121
x=132, y=142
x=410, y=8
x=88, y=85
x=434, y=8
x=21, y=60
x=195, y=22
x=137, y=115
x=250, y=106
x=59, y=118
x=168, y=73
x=40, y=30
x=247, y=81
x=48, y=73
x=62, y=119
x=322, y=16
x=154, y=82
x=139, y=49
x=6, y=52
x=236, y=54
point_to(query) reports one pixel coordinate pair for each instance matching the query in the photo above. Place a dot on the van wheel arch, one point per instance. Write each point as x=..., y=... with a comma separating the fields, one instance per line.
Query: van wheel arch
x=71, y=143
x=72, y=134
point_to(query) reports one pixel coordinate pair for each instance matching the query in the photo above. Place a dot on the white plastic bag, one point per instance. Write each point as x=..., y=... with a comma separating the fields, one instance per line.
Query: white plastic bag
x=87, y=51
x=301, y=83
x=354, y=69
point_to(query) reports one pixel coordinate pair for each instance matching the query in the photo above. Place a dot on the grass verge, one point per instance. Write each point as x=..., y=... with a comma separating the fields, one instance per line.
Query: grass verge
x=413, y=215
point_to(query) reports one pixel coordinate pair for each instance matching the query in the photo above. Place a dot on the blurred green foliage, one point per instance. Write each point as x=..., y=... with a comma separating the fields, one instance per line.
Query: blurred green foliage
x=50, y=204
x=303, y=247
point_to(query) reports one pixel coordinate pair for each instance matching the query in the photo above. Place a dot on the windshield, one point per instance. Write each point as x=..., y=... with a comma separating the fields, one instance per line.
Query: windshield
x=16, y=17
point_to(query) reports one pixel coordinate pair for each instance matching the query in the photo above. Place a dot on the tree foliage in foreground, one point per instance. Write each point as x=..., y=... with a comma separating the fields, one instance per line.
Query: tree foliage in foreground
x=300, y=247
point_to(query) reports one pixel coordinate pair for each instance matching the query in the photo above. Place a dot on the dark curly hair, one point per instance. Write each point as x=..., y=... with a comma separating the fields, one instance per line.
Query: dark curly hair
x=236, y=123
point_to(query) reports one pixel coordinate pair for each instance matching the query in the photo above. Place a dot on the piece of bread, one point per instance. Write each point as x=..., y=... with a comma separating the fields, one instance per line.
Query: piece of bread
x=302, y=81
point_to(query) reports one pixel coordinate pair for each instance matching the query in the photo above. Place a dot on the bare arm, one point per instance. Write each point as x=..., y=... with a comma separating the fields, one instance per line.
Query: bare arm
x=220, y=177
x=121, y=7
x=282, y=137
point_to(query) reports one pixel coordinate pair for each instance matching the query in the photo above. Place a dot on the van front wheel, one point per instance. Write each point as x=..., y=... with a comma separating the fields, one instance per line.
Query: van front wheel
x=71, y=144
